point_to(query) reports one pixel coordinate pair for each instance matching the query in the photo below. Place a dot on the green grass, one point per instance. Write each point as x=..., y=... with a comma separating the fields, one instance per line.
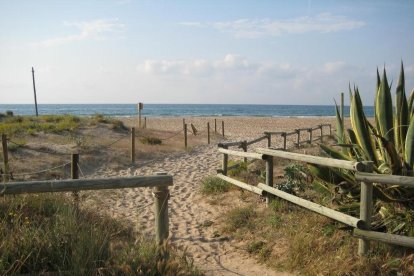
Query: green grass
x=214, y=185
x=151, y=141
x=14, y=125
x=44, y=233
x=113, y=123
x=241, y=218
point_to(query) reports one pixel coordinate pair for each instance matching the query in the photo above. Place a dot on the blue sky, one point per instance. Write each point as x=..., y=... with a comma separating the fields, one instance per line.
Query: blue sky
x=259, y=52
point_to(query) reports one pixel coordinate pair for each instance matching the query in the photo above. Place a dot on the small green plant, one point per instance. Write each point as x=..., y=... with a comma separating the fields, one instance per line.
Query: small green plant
x=242, y=217
x=151, y=141
x=254, y=247
x=214, y=185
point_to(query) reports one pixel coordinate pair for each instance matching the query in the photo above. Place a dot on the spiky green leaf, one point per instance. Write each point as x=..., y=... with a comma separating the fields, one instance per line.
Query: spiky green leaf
x=384, y=111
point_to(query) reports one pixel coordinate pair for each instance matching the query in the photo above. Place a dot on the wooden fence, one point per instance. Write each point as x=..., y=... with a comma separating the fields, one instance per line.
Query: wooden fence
x=267, y=135
x=159, y=182
x=364, y=174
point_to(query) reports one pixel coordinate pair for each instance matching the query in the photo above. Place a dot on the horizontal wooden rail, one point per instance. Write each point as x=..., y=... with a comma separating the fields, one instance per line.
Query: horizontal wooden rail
x=385, y=237
x=241, y=184
x=303, y=129
x=69, y=185
x=274, y=132
x=256, y=140
x=315, y=128
x=242, y=153
x=291, y=133
x=346, y=219
x=230, y=144
x=407, y=181
x=342, y=164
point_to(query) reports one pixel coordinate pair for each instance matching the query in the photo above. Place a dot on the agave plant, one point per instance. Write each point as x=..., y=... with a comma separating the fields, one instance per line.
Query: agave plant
x=389, y=143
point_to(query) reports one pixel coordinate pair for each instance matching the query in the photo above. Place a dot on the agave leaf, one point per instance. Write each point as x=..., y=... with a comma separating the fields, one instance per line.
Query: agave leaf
x=401, y=115
x=376, y=95
x=410, y=106
x=384, y=110
x=409, y=145
x=339, y=126
x=334, y=153
x=361, y=129
x=324, y=173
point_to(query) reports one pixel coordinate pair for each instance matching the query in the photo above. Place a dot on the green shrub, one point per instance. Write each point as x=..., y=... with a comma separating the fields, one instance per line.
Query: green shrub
x=214, y=185
x=242, y=217
x=151, y=141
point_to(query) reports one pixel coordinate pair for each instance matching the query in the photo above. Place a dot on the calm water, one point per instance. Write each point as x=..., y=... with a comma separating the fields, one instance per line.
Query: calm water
x=180, y=110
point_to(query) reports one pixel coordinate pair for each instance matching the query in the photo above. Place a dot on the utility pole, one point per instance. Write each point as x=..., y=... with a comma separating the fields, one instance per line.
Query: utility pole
x=34, y=90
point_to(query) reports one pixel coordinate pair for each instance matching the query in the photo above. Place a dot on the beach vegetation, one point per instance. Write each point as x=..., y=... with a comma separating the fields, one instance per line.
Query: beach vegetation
x=241, y=219
x=114, y=124
x=389, y=144
x=46, y=234
x=151, y=141
x=214, y=185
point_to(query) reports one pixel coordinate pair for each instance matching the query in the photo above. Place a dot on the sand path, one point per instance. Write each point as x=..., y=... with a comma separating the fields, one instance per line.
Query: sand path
x=190, y=215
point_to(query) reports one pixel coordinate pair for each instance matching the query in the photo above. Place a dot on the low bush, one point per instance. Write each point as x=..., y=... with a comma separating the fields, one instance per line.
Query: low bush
x=214, y=185
x=151, y=141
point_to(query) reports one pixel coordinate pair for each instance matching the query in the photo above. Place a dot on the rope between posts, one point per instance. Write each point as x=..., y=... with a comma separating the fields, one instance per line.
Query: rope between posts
x=163, y=139
x=80, y=170
x=38, y=172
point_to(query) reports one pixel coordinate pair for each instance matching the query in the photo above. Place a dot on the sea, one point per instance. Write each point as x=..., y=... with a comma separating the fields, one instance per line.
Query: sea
x=180, y=110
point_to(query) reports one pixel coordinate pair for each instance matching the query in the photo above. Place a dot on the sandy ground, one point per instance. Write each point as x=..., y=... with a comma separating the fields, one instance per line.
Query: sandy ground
x=189, y=211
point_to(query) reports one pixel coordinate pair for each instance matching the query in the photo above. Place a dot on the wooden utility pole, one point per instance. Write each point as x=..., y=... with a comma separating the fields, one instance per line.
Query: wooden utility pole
x=34, y=90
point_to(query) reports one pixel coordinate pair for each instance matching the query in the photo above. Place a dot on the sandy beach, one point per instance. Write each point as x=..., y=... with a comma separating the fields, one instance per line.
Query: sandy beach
x=189, y=210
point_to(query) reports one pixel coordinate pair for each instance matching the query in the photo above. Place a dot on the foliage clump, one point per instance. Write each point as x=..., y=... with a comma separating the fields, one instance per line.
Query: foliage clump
x=214, y=185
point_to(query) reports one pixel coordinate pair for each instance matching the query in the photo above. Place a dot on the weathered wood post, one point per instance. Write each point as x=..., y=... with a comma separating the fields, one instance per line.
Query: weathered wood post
x=34, y=91
x=133, y=145
x=145, y=122
x=244, y=147
x=225, y=161
x=183, y=122
x=215, y=125
x=284, y=140
x=161, y=195
x=298, y=140
x=321, y=128
x=269, y=175
x=269, y=139
x=222, y=128
x=185, y=135
x=310, y=135
x=208, y=133
x=366, y=206
x=140, y=107
x=74, y=174
x=5, y=158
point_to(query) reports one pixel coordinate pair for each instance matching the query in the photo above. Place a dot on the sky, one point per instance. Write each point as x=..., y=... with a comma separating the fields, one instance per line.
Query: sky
x=217, y=52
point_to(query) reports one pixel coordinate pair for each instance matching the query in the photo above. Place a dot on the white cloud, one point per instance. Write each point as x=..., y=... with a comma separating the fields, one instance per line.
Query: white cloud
x=94, y=29
x=255, y=28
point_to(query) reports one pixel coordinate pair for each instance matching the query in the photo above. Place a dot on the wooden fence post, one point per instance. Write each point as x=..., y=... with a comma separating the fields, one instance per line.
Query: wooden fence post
x=133, y=145
x=145, y=122
x=298, y=140
x=185, y=135
x=222, y=128
x=183, y=123
x=284, y=140
x=310, y=135
x=208, y=133
x=5, y=158
x=74, y=174
x=244, y=146
x=215, y=125
x=225, y=161
x=321, y=128
x=269, y=139
x=161, y=195
x=365, y=211
x=269, y=175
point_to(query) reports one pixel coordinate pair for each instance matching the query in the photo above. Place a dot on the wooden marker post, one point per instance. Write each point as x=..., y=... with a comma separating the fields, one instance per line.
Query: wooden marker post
x=208, y=133
x=145, y=122
x=140, y=107
x=5, y=158
x=133, y=145
x=185, y=135
x=284, y=140
x=215, y=125
x=321, y=128
x=366, y=206
x=161, y=195
x=269, y=175
x=269, y=140
x=74, y=174
x=222, y=128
